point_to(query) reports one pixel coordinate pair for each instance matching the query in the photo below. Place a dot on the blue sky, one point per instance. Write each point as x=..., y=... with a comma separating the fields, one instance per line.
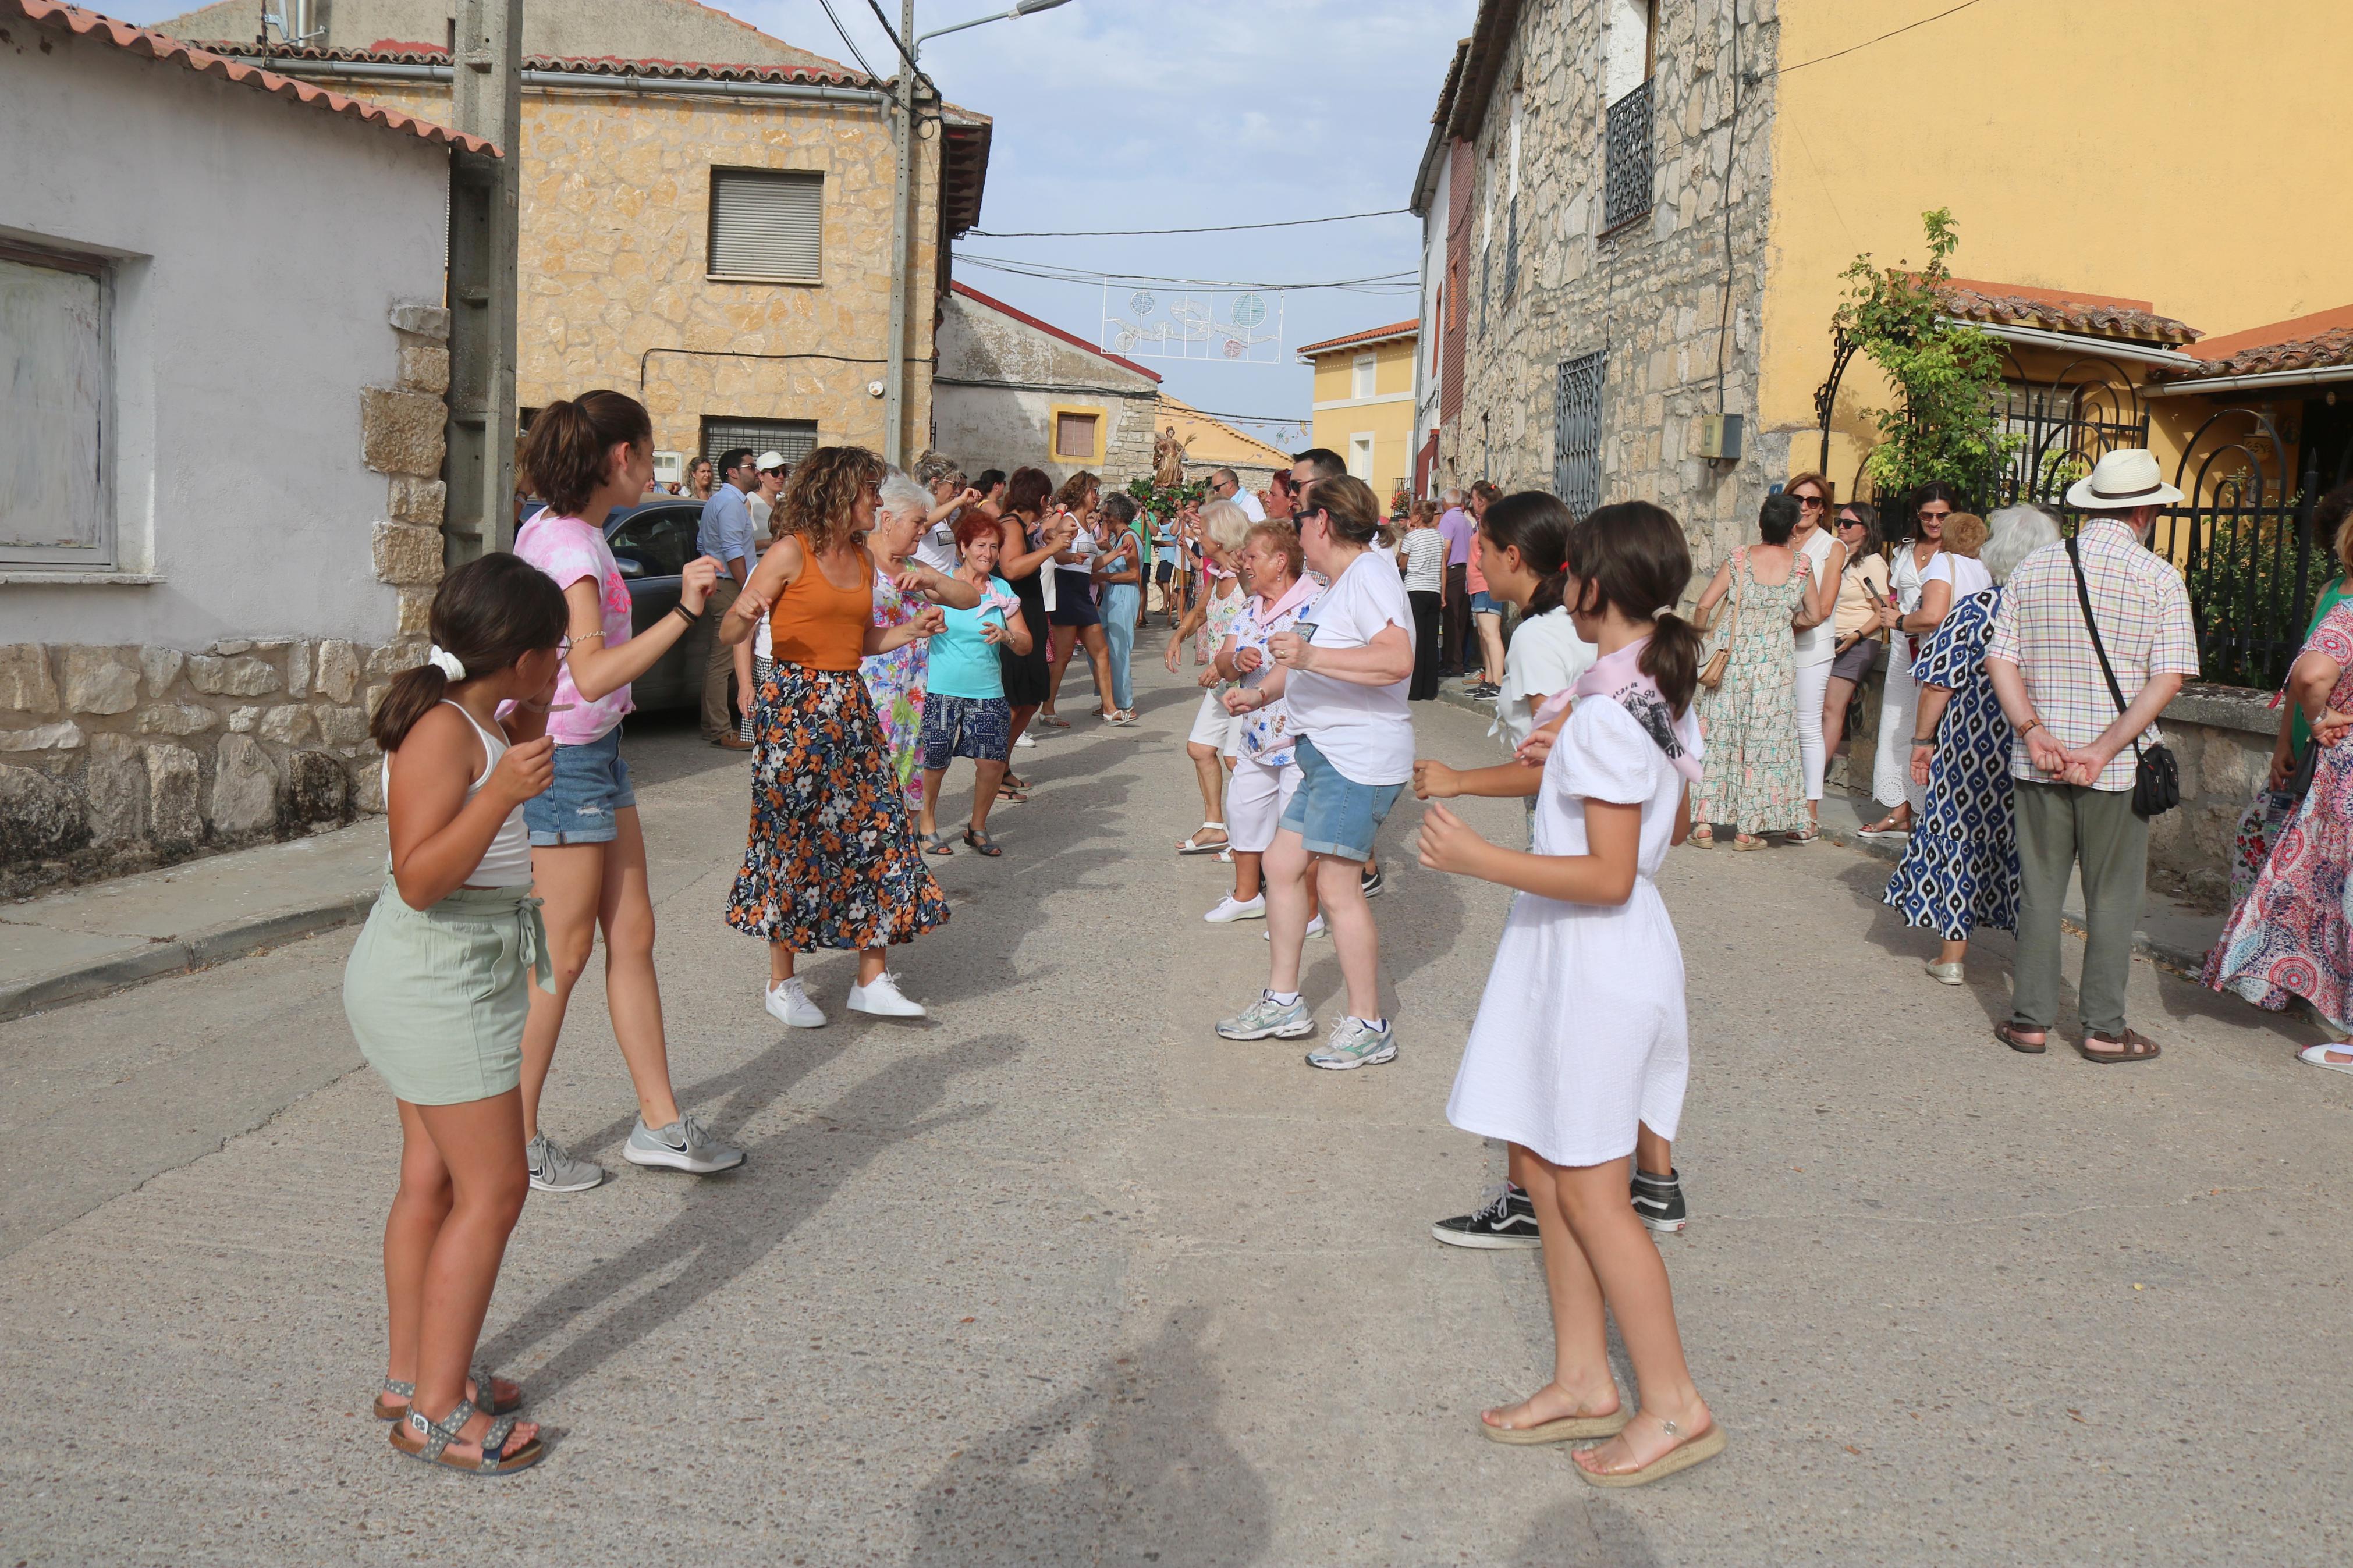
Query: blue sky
x=1165, y=113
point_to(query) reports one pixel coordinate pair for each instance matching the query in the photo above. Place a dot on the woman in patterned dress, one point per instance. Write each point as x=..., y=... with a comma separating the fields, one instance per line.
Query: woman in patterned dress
x=831, y=860
x=1753, y=776
x=2292, y=935
x=902, y=585
x=1961, y=869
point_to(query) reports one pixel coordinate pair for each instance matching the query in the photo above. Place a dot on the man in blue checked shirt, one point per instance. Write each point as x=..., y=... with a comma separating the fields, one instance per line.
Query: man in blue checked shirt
x=726, y=534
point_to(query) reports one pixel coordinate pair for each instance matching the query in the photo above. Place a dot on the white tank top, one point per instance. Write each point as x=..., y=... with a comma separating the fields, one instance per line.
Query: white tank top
x=507, y=862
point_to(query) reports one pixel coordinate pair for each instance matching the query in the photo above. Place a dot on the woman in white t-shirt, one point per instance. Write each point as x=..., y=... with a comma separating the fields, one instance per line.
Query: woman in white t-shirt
x=1817, y=645
x=1899, y=699
x=1348, y=665
x=1422, y=558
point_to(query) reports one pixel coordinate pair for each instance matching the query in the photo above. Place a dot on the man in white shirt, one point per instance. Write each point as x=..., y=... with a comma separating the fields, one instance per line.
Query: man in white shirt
x=1224, y=486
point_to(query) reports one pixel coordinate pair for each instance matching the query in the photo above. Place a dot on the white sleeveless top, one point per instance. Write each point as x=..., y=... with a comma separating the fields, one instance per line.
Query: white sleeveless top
x=507, y=862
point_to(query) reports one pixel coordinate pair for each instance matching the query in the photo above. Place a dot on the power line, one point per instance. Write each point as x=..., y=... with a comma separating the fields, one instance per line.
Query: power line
x=1801, y=65
x=843, y=33
x=1210, y=228
x=893, y=34
x=1386, y=282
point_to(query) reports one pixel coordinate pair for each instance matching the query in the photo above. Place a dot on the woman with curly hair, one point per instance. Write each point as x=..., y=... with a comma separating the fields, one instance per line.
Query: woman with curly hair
x=831, y=862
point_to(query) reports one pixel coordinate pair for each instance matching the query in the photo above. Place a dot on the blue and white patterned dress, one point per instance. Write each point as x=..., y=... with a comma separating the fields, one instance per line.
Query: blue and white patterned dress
x=1960, y=871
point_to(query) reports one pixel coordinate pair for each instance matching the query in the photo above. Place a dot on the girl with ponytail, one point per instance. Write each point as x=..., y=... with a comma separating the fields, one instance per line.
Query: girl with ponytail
x=584, y=457
x=438, y=987
x=1580, y=1044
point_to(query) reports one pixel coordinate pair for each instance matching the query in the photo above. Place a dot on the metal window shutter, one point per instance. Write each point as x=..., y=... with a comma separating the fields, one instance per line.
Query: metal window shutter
x=765, y=222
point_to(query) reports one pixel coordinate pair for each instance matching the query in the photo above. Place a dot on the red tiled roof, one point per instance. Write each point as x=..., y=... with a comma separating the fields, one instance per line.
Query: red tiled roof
x=1369, y=335
x=1026, y=318
x=392, y=51
x=2064, y=310
x=172, y=51
x=2303, y=343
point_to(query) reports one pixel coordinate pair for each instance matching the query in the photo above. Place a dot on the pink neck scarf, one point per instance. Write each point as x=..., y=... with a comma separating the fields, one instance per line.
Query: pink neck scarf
x=1618, y=677
x=1301, y=588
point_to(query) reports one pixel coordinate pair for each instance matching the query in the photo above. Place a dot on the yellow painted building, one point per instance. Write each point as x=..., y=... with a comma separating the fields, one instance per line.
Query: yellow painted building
x=1364, y=402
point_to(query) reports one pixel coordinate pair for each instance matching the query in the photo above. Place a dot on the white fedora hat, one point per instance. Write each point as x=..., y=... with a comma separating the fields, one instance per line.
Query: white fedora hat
x=2123, y=480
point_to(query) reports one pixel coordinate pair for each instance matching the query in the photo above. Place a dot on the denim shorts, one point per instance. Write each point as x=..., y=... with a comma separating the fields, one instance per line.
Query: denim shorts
x=1483, y=603
x=591, y=784
x=1333, y=814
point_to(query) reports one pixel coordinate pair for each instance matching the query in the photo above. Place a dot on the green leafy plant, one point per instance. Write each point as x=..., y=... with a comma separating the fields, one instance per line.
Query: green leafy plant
x=1162, y=501
x=1946, y=375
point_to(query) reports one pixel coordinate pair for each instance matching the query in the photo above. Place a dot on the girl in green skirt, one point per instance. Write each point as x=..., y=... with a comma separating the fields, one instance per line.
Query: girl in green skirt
x=437, y=991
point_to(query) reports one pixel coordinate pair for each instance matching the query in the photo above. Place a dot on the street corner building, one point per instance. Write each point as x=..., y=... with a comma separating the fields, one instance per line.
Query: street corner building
x=706, y=212
x=222, y=425
x=1636, y=216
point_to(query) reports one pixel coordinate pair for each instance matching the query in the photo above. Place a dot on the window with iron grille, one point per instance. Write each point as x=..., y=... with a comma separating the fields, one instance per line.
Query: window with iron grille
x=1626, y=176
x=1486, y=260
x=1576, y=431
x=796, y=439
x=767, y=224
x=1512, y=250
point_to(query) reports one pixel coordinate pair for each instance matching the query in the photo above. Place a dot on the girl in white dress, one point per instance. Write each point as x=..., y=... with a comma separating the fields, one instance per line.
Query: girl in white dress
x=1581, y=1040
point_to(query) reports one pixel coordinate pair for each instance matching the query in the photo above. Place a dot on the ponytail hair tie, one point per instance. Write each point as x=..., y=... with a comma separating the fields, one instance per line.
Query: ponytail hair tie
x=447, y=663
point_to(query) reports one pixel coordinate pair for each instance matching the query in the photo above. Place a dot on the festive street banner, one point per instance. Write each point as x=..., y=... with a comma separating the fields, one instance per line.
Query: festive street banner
x=1240, y=326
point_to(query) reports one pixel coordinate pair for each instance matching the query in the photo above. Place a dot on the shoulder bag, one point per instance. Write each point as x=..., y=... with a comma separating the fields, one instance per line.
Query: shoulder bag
x=2157, y=778
x=1711, y=674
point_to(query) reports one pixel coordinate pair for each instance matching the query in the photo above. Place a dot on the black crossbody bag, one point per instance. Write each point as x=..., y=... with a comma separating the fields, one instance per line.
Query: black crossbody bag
x=2157, y=778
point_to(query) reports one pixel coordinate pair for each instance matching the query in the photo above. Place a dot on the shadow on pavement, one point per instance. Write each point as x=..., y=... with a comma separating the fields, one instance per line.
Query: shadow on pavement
x=1129, y=1468
x=1583, y=1532
x=729, y=1223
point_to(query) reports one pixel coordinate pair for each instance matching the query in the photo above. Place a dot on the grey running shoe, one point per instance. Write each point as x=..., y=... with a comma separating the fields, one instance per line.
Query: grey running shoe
x=1285, y=1021
x=1354, y=1044
x=553, y=1171
x=685, y=1144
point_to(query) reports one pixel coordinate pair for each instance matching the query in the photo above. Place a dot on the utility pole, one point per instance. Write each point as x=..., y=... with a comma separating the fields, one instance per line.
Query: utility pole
x=485, y=227
x=894, y=375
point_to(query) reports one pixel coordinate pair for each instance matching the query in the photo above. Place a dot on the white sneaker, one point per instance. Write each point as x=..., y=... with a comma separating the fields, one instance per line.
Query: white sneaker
x=1232, y=908
x=788, y=1002
x=1314, y=928
x=883, y=999
x=1024, y=740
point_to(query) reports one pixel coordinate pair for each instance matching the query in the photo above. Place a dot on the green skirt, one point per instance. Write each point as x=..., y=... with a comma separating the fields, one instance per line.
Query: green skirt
x=436, y=997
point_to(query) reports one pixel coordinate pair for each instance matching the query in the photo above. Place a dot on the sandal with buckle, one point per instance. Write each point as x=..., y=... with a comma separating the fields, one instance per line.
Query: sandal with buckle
x=940, y=843
x=428, y=1441
x=982, y=842
x=1193, y=844
x=1682, y=1456
x=2134, y=1047
x=506, y=1396
x=1747, y=841
x=1051, y=721
x=1701, y=837
x=2011, y=1034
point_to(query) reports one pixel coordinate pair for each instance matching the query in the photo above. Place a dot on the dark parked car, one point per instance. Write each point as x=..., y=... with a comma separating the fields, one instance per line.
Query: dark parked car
x=652, y=542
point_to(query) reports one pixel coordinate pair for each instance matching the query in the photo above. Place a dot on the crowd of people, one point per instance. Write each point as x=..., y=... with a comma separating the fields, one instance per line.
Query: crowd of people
x=889, y=624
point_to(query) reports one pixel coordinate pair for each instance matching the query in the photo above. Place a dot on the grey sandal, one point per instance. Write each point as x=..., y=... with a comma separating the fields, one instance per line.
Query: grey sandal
x=386, y=1410
x=431, y=1439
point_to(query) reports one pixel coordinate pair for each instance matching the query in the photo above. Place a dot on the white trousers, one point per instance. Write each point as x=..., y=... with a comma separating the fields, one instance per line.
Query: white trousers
x=1899, y=703
x=1813, y=679
x=1256, y=797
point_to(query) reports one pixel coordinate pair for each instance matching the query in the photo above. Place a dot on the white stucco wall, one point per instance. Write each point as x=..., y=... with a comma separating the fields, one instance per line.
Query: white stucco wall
x=1427, y=344
x=258, y=244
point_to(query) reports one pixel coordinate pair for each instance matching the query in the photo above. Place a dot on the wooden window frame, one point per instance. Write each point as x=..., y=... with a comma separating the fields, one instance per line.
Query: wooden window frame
x=104, y=555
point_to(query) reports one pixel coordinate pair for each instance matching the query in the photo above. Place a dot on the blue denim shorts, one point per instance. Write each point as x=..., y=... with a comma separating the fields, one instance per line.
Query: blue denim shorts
x=1483, y=603
x=1333, y=814
x=591, y=784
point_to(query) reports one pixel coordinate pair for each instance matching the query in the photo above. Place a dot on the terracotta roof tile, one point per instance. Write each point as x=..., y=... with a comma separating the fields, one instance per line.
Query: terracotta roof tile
x=392, y=51
x=2090, y=315
x=2303, y=343
x=172, y=51
x=1369, y=335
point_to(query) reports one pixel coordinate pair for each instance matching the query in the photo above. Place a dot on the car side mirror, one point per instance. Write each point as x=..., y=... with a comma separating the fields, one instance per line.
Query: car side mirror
x=630, y=566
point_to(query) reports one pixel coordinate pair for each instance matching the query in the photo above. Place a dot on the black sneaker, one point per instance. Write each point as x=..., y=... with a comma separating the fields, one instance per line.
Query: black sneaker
x=1659, y=1200
x=1505, y=1221
x=1371, y=884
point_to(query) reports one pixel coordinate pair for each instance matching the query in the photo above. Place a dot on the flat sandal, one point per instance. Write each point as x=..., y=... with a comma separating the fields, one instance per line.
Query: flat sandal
x=428, y=1441
x=476, y=1381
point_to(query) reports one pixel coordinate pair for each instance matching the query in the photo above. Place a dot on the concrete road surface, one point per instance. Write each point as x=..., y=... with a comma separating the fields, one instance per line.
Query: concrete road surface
x=1060, y=1277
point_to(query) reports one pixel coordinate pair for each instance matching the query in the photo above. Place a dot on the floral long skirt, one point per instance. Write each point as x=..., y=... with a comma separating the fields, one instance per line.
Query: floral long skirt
x=832, y=860
x=2292, y=934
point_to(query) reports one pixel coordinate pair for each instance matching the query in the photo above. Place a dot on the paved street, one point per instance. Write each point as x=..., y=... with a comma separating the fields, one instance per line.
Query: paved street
x=1060, y=1277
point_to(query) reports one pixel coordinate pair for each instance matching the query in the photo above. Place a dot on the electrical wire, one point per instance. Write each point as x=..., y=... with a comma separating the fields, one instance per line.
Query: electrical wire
x=1801, y=65
x=1210, y=228
x=893, y=34
x=1731, y=157
x=1388, y=282
x=847, y=42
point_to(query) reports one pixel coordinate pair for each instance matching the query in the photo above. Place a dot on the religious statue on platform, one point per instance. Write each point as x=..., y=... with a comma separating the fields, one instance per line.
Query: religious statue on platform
x=1168, y=459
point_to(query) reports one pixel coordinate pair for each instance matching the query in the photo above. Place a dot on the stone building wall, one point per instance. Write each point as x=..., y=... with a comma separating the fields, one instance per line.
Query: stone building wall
x=616, y=224
x=1651, y=292
x=117, y=758
x=1000, y=379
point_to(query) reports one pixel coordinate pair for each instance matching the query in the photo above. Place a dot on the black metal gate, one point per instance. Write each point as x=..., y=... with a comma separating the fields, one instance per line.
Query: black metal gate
x=1576, y=431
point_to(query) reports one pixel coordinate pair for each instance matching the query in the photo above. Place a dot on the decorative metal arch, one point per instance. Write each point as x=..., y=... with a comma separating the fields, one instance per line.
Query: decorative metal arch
x=2242, y=534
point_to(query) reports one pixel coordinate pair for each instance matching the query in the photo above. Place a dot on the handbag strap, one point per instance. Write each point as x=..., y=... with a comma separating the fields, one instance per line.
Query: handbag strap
x=2092, y=624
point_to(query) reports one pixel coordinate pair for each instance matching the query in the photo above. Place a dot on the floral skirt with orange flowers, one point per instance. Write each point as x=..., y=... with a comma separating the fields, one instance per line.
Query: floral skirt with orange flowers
x=832, y=860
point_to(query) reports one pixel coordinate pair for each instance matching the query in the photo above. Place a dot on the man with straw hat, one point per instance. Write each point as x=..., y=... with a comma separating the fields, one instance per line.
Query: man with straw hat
x=2075, y=756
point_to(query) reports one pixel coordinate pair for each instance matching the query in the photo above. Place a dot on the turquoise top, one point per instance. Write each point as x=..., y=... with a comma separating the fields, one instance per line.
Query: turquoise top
x=962, y=663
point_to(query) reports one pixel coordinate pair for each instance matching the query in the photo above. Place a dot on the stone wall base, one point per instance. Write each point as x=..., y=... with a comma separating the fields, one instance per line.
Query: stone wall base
x=119, y=759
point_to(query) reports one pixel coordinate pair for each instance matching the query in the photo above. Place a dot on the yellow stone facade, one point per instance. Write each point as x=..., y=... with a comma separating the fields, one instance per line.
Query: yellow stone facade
x=1373, y=433
x=616, y=218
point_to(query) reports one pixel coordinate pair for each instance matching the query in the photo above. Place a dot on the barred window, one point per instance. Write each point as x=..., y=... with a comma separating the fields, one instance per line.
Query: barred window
x=796, y=439
x=767, y=224
x=1576, y=431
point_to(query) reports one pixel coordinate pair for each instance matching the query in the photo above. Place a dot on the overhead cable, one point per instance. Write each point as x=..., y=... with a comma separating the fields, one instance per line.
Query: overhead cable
x=1208, y=228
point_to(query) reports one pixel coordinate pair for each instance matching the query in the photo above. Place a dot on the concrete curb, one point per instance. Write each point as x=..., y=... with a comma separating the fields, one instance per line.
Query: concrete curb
x=177, y=955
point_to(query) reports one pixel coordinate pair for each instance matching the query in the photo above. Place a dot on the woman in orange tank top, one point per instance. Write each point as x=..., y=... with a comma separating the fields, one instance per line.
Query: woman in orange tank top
x=832, y=860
